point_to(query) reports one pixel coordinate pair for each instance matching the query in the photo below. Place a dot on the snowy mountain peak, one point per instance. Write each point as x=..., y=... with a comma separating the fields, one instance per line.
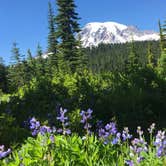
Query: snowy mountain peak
x=111, y=32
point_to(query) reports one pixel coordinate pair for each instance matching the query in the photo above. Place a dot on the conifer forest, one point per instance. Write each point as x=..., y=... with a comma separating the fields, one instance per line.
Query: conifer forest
x=76, y=106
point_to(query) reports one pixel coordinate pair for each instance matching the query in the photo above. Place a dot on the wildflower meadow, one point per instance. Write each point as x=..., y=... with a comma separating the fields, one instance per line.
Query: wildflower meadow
x=49, y=145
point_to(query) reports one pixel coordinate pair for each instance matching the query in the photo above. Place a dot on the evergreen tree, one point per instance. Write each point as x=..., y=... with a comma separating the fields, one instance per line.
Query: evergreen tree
x=28, y=67
x=82, y=58
x=164, y=34
x=162, y=29
x=3, y=76
x=31, y=64
x=52, y=60
x=52, y=42
x=162, y=64
x=16, y=57
x=40, y=62
x=29, y=55
x=67, y=28
x=132, y=62
x=151, y=59
x=133, y=59
x=16, y=70
x=162, y=59
x=39, y=51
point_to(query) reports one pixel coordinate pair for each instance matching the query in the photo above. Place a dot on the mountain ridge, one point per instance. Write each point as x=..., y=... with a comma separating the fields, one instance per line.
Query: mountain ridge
x=95, y=33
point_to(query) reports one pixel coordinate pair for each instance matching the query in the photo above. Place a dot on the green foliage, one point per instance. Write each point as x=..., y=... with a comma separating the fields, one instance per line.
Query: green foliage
x=10, y=133
x=74, y=150
x=133, y=98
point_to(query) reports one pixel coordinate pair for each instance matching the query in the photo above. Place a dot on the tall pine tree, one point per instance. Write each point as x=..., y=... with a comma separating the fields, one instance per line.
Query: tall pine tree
x=52, y=42
x=40, y=62
x=3, y=76
x=162, y=59
x=150, y=57
x=67, y=28
x=16, y=56
x=132, y=61
x=16, y=69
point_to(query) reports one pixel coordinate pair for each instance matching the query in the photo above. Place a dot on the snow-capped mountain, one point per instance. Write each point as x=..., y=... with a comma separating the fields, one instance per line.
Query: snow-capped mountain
x=111, y=32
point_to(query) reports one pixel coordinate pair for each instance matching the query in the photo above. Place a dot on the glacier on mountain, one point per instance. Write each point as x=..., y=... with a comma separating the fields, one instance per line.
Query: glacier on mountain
x=96, y=33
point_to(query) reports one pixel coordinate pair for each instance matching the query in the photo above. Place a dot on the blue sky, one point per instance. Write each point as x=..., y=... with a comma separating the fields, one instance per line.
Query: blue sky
x=25, y=21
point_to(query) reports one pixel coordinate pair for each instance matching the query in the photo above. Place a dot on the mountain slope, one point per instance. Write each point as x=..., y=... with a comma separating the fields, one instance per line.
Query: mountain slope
x=111, y=32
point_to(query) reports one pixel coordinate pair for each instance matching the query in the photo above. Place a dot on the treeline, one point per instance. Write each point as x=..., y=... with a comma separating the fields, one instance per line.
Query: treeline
x=104, y=58
x=114, y=57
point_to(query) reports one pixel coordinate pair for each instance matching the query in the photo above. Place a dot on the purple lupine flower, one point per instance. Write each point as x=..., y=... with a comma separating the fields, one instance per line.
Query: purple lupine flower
x=45, y=129
x=109, y=134
x=160, y=151
x=64, y=131
x=125, y=134
x=34, y=123
x=62, y=117
x=139, y=159
x=64, y=121
x=35, y=132
x=52, y=138
x=34, y=126
x=99, y=124
x=106, y=142
x=86, y=116
x=159, y=138
x=101, y=132
x=89, y=113
x=116, y=139
x=66, y=124
x=83, y=120
x=129, y=162
x=37, y=128
x=60, y=130
x=139, y=150
x=160, y=143
x=135, y=141
x=138, y=146
x=87, y=126
x=118, y=135
x=111, y=128
x=151, y=128
x=4, y=153
x=67, y=131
